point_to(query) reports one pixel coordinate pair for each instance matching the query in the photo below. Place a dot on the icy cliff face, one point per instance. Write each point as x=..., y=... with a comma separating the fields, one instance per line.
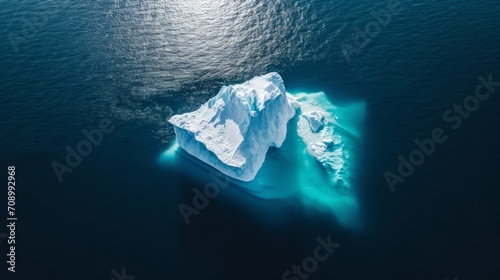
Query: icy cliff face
x=233, y=131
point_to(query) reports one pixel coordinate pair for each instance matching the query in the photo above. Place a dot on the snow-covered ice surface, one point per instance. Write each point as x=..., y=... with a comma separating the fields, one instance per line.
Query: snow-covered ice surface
x=233, y=131
x=317, y=144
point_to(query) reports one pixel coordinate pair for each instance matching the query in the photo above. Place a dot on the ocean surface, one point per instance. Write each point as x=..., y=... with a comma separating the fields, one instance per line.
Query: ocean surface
x=68, y=66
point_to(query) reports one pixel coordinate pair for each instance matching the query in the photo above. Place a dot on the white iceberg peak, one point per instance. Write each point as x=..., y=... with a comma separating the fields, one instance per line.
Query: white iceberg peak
x=233, y=130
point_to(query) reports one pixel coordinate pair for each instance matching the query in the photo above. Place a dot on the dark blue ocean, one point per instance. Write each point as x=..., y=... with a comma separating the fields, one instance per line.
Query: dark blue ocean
x=68, y=66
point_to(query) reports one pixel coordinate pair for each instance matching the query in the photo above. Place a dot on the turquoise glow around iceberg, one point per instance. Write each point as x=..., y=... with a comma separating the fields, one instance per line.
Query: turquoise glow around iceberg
x=291, y=173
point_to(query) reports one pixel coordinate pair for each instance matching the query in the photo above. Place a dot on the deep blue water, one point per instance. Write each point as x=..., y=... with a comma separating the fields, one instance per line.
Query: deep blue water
x=67, y=65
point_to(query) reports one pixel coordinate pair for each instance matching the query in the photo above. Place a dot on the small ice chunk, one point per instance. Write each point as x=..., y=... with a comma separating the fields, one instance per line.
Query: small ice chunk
x=315, y=119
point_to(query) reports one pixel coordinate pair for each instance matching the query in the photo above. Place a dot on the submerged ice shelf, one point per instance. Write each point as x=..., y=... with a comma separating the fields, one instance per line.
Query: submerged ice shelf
x=277, y=145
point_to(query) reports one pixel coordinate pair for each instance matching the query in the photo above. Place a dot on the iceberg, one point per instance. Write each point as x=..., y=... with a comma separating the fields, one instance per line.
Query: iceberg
x=233, y=131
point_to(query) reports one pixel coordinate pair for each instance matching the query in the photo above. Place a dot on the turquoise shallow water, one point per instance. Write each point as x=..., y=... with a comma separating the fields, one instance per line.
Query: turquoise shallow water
x=67, y=65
